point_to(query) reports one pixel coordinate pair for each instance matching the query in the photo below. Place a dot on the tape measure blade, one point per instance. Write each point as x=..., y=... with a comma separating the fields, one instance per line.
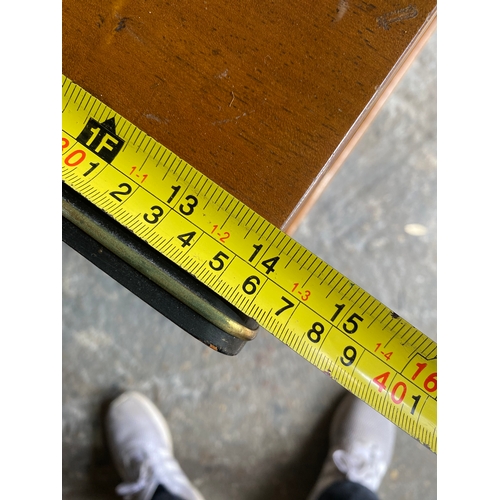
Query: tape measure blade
x=306, y=303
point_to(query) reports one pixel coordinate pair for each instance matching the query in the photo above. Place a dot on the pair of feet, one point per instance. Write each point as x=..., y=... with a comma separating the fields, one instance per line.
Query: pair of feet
x=361, y=446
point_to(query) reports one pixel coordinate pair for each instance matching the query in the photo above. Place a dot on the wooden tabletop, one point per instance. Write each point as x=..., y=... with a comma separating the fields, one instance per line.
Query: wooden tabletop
x=265, y=98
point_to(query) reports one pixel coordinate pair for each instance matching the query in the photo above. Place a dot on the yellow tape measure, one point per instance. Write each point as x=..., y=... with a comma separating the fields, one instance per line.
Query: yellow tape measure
x=300, y=299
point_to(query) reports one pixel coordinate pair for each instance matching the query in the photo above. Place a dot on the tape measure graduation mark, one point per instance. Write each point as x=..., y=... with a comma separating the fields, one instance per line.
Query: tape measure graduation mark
x=300, y=299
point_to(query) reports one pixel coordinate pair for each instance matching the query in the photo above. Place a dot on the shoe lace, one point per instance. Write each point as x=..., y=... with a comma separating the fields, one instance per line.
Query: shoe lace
x=361, y=464
x=158, y=466
x=126, y=489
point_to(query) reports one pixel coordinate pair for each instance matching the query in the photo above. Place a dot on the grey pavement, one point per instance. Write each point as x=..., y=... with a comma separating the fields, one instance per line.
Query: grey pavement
x=255, y=426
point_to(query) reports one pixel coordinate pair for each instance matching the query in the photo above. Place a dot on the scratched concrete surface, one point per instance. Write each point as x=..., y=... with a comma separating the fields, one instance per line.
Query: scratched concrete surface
x=254, y=427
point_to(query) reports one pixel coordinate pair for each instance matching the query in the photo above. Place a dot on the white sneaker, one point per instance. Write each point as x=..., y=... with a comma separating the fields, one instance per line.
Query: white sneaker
x=361, y=447
x=141, y=447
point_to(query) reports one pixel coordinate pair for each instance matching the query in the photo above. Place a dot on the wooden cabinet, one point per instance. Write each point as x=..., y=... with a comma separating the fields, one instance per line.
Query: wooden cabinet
x=266, y=98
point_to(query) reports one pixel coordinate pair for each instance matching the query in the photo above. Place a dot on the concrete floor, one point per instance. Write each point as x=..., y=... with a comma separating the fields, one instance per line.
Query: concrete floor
x=254, y=427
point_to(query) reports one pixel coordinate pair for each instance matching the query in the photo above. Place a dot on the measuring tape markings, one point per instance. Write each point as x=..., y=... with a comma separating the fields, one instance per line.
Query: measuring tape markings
x=293, y=294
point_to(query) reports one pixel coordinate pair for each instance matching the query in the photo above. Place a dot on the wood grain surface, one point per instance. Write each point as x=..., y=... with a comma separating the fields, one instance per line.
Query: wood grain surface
x=262, y=97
